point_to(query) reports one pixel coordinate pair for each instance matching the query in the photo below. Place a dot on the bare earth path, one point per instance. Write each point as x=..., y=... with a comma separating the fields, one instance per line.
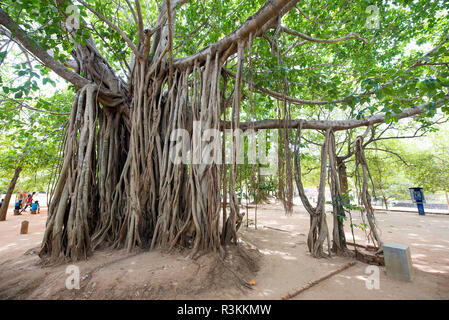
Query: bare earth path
x=288, y=266
x=285, y=264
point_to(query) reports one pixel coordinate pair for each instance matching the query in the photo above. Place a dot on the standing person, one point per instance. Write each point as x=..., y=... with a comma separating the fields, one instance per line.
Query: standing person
x=35, y=208
x=29, y=201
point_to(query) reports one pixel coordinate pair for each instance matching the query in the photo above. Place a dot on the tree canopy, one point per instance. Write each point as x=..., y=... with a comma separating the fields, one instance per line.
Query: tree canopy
x=327, y=51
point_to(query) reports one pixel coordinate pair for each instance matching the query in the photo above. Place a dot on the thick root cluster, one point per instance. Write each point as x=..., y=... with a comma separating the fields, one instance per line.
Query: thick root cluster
x=118, y=184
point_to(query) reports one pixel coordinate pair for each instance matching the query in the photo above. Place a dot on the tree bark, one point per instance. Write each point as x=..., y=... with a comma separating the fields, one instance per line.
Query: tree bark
x=336, y=125
x=318, y=232
x=365, y=197
x=447, y=199
x=384, y=199
x=338, y=198
x=342, y=176
x=12, y=185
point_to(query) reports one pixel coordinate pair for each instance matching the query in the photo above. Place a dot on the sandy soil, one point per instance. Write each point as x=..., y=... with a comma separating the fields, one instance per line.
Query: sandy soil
x=284, y=264
x=116, y=274
x=288, y=266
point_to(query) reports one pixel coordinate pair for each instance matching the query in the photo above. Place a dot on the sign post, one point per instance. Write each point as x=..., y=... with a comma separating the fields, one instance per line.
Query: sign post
x=417, y=196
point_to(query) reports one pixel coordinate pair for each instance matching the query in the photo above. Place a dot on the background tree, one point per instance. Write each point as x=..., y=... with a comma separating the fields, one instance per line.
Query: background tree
x=429, y=163
x=30, y=142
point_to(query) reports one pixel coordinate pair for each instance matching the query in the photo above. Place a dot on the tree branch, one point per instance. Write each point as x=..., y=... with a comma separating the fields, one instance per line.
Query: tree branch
x=336, y=125
x=350, y=36
x=391, y=152
x=170, y=44
x=256, y=25
x=113, y=26
x=281, y=96
x=33, y=47
x=132, y=11
x=139, y=19
x=22, y=104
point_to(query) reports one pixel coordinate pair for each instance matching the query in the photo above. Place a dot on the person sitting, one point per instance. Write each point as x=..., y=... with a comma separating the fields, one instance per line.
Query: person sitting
x=17, y=207
x=35, y=208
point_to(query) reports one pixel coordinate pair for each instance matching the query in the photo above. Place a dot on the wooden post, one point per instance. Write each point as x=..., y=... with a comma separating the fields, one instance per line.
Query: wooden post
x=16, y=212
x=24, y=227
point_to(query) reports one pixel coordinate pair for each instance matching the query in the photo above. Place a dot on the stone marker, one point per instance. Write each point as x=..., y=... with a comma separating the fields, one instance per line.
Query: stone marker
x=24, y=227
x=398, y=261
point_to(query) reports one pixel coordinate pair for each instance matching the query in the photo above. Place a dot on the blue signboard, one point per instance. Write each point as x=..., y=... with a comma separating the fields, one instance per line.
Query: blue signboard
x=417, y=196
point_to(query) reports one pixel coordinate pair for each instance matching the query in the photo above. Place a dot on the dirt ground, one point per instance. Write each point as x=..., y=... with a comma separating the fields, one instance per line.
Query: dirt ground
x=283, y=264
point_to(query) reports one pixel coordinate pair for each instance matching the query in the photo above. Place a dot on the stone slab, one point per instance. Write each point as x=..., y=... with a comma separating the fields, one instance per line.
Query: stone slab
x=398, y=261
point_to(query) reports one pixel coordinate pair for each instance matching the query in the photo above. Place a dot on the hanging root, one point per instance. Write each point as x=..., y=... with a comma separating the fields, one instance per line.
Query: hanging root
x=190, y=199
x=319, y=231
x=120, y=186
x=235, y=218
x=363, y=193
x=73, y=202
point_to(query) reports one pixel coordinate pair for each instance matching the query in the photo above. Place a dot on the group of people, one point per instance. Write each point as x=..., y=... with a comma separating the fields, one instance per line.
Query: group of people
x=34, y=207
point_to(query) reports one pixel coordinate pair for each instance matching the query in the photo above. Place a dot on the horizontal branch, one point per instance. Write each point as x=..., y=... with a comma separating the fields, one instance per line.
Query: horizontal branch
x=336, y=125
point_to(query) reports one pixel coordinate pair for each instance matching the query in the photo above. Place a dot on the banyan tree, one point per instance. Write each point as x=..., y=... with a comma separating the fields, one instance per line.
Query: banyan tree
x=143, y=70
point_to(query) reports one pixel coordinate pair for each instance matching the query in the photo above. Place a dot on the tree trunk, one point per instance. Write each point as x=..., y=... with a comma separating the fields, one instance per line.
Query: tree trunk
x=339, y=190
x=342, y=176
x=447, y=199
x=119, y=185
x=280, y=168
x=12, y=185
x=385, y=201
x=318, y=232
